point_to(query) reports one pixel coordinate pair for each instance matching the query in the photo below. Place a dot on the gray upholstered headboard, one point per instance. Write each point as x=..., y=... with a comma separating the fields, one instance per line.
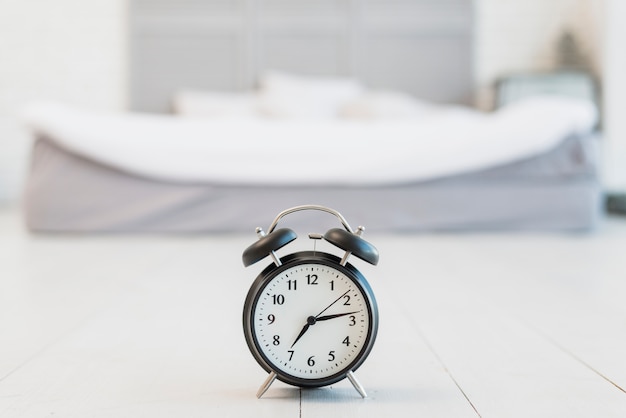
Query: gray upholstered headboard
x=423, y=47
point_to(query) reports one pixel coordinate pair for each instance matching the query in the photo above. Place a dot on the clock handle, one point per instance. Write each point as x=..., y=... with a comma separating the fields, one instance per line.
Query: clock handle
x=348, y=240
x=310, y=207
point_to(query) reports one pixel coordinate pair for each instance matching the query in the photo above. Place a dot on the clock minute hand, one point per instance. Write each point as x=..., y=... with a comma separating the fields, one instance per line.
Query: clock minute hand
x=311, y=320
x=327, y=317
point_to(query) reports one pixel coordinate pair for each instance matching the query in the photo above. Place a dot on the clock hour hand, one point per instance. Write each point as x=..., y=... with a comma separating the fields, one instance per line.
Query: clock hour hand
x=327, y=317
x=309, y=321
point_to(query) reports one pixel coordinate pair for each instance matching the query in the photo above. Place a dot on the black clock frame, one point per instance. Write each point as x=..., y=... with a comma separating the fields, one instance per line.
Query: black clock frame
x=289, y=261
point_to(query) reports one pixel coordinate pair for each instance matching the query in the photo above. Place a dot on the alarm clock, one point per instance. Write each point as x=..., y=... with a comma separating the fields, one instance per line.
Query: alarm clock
x=310, y=318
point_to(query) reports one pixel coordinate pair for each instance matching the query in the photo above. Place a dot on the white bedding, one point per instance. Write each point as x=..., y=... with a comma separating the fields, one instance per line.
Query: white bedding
x=332, y=151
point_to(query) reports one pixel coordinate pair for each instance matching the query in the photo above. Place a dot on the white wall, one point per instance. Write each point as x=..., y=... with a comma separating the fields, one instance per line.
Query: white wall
x=615, y=95
x=522, y=35
x=75, y=51
x=68, y=50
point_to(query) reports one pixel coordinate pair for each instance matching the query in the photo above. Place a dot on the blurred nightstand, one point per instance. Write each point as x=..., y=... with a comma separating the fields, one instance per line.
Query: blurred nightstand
x=575, y=84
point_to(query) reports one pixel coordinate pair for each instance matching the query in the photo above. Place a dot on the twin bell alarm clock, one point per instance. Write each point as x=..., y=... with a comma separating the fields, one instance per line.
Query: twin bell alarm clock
x=310, y=318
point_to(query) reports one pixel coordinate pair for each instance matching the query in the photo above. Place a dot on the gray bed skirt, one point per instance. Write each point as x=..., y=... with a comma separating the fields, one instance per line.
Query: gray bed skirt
x=558, y=190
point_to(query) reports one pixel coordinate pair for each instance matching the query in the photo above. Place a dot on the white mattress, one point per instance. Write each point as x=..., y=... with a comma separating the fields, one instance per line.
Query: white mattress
x=557, y=190
x=313, y=152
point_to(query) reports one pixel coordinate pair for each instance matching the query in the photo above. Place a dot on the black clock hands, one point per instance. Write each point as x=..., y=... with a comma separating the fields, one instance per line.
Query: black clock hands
x=311, y=320
x=327, y=317
x=335, y=301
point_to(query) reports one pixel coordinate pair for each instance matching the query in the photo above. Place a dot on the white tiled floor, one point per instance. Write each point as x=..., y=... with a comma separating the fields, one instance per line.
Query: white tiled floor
x=471, y=325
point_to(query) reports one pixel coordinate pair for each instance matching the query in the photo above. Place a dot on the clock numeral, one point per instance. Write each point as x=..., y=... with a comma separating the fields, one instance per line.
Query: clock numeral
x=278, y=299
x=352, y=320
x=277, y=340
x=290, y=354
x=332, y=285
x=311, y=279
x=271, y=318
x=331, y=356
x=347, y=300
x=345, y=341
x=292, y=284
x=310, y=361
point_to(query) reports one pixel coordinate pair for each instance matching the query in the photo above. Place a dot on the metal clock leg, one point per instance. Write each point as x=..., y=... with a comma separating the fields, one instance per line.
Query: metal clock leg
x=356, y=384
x=266, y=385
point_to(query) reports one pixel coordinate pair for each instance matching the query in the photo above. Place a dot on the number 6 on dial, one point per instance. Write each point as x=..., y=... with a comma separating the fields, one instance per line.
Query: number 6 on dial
x=310, y=318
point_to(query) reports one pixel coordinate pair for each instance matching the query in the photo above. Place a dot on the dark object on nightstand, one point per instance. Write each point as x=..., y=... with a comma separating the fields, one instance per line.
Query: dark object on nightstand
x=616, y=203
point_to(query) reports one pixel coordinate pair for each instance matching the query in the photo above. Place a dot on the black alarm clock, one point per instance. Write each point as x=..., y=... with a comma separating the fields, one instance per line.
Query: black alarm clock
x=310, y=318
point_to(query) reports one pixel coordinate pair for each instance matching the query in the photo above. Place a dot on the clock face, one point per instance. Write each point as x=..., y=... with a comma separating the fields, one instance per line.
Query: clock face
x=311, y=320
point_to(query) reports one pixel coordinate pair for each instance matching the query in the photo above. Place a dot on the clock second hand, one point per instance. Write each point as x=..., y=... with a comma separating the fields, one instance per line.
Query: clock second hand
x=335, y=301
x=312, y=319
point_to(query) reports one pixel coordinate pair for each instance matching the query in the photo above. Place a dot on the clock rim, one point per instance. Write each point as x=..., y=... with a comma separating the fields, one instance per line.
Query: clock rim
x=289, y=261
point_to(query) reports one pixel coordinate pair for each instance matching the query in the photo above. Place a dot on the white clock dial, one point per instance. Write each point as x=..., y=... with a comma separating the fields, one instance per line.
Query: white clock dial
x=311, y=321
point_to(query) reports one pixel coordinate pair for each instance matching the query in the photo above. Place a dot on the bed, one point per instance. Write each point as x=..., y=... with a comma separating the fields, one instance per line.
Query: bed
x=530, y=166
x=402, y=158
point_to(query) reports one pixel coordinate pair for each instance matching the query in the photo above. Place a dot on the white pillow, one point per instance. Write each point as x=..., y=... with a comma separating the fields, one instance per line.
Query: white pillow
x=289, y=96
x=386, y=105
x=200, y=104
